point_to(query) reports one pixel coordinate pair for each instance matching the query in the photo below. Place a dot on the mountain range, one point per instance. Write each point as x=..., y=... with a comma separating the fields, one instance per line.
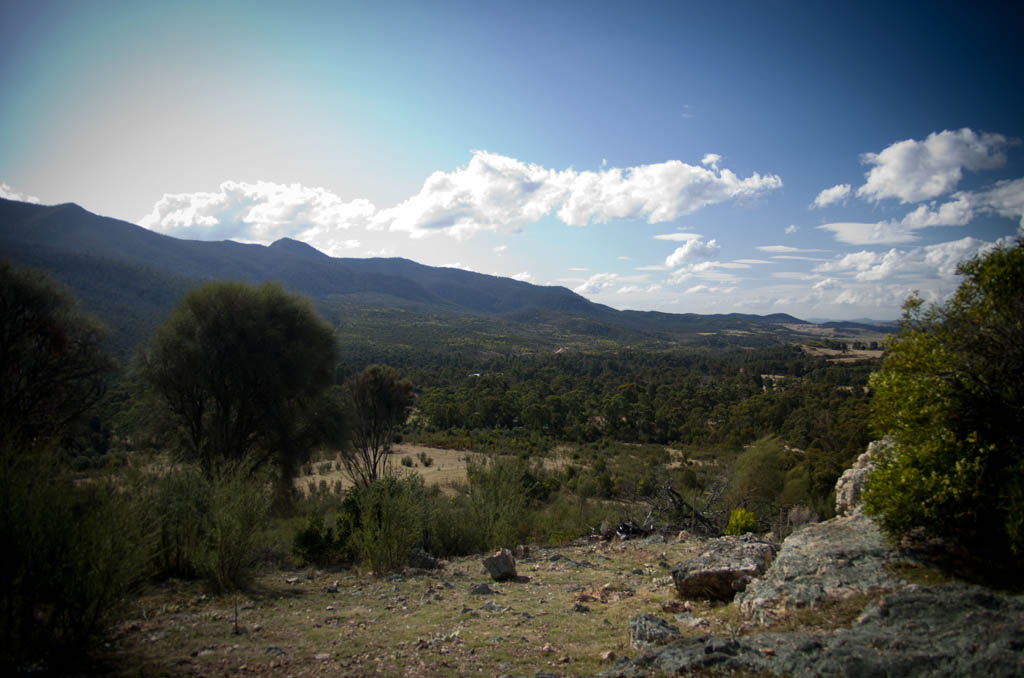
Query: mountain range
x=131, y=277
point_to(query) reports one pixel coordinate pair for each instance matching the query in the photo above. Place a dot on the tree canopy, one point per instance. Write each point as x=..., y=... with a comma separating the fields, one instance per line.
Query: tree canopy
x=52, y=365
x=246, y=371
x=951, y=393
x=380, y=401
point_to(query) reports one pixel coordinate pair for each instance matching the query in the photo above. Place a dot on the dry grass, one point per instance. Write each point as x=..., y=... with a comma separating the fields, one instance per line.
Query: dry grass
x=416, y=625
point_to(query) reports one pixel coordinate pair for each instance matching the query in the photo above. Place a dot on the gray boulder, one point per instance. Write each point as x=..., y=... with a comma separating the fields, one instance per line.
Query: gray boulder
x=501, y=566
x=832, y=560
x=725, y=567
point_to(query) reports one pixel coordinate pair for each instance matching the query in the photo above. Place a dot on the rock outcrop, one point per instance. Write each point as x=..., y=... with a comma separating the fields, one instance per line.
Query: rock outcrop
x=851, y=484
x=949, y=630
x=834, y=559
x=724, y=568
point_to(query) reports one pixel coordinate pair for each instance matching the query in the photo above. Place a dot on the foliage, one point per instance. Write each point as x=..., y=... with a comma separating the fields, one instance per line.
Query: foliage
x=246, y=371
x=499, y=493
x=390, y=521
x=951, y=392
x=380, y=401
x=72, y=553
x=741, y=521
x=209, y=522
x=52, y=368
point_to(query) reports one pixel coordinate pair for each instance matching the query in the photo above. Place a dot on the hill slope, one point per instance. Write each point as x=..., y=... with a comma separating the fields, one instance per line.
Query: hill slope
x=131, y=277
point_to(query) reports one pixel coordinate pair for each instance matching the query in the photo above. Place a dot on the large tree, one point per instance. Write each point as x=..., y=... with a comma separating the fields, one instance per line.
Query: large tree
x=380, y=401
x=246, y=371
x=52, y=366
x=951, y=393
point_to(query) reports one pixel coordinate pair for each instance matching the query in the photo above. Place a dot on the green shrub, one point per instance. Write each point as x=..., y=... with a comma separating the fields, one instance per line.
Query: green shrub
x=407, y=461
x=499, y=493
x=316, y=543
x=741, y=521
x=390, y=521
x=72, y=554
x=951, y=393
x=425, y=459
x=209, y=525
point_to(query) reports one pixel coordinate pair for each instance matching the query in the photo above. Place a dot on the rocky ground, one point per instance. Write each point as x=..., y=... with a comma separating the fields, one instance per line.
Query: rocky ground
x=834, y=600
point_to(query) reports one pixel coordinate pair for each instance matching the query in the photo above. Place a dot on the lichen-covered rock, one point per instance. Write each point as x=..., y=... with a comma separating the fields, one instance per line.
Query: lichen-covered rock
x=851, y=484
x=725, y=567
x=949, y=630
x=835, y=559
x=646, y=630
x=501, y=566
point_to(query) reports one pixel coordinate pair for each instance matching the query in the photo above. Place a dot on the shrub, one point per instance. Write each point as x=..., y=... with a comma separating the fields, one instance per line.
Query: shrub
x=389, y=522
x=951, y=393
x=407, y=461
x=741, y=521
x=210, y=524
x=425, y=459
x=72, y=554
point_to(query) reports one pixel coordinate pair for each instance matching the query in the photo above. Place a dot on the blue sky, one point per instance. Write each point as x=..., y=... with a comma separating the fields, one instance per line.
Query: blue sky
x=820, y=159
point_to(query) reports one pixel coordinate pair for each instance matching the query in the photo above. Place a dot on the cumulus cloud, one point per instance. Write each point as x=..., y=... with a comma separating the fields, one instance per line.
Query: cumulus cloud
x=259, y=212
x=937, y=261
x=956, y=212
x=524, y=276
x=791, y=229
x=693, y=250
x=827, y=284
x=711, y=160
x=913, y=171
x=829, y=196
x=706, y=270
x=500, y=249
x=1005, y=198
x=8, y=192
x=495, y=192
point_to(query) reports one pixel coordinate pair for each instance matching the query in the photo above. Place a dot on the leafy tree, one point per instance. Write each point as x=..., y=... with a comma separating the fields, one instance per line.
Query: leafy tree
x=52, y=367
x=951, y=392
x=246, y=372
x=380, y=401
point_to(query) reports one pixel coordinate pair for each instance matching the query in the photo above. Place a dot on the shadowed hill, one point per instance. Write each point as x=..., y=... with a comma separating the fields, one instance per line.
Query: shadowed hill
x=131, y=277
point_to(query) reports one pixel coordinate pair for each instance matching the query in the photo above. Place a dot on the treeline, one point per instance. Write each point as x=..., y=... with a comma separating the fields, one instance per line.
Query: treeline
x=687, y=396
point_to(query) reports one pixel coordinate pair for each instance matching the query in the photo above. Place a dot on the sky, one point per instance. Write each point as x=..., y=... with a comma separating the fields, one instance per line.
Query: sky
x=820, y=159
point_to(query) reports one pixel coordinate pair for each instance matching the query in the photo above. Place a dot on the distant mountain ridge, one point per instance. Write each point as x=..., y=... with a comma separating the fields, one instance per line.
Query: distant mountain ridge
x=132, y=277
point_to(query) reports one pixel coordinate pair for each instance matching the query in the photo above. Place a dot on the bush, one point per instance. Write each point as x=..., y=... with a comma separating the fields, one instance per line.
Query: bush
x=389, y=522
x=210, y=525
x=72, y=554
x=741, y=521
x=407, y=461
x=951, y=393
x=425, y=459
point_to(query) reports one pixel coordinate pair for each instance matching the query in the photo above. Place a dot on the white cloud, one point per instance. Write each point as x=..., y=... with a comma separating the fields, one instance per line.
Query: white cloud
x=753, y=261
x=693, y=250
x=652, y=267
x=706, y=270
x=459, y=265
x=827, y=284
x=678, y=237
x=500, y=249
x=786, y=249
x=711, y=160
x=913, y=171
x=629, y=289
x=622, y=258
x=524, y=276
x=495, y=192
x=876, y=233
x=598, y=283
x=791, y=229
x=579, y=269
x=956, y=212
x=384, y=253
x=796, y=257
x=8, y=192
x=261, y=212
x=937, y=261
x=1005, y=198
x=829, y=196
